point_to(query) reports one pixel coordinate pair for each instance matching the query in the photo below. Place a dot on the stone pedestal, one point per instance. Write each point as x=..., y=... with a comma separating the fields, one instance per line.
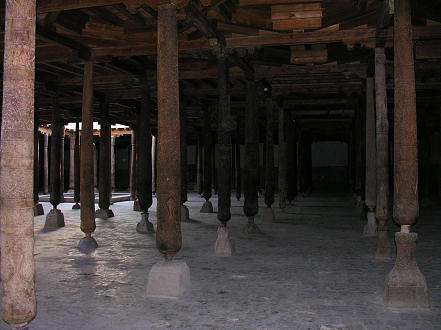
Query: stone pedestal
x=251, y=227
x=382, y=249
x=267, y=214
x=38, y=209
x=207, y=207
x=54, y=219
x=185, y=215
x=223, y=246
x=87, y=244
x=370, y=228
x=104, y=213
x=136, y=206
x=406, y=286
x=145, y=226
x=76, y=206
x=168, y=279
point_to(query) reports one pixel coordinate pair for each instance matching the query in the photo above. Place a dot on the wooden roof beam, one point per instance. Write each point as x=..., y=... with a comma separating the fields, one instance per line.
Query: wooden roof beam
x=49, y=6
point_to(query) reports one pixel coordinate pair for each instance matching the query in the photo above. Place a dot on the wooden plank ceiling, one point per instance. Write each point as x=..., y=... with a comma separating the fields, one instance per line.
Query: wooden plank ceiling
x=315, y=54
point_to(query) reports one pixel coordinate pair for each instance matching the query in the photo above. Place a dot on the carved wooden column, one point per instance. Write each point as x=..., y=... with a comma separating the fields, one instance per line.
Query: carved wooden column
x=268, y=212
x=206, y=132
x=77, y=180
x=46, y=164
x=405, y=285
x=16, y=177
x=87, y=195
x=370, y=229
x=358, y=148
x=169, y=278
x=95, y=166
x=251, y=172
x=63, y=133
x=104, y=182
x=199, y=165
x=282, y=158
x=382, y=250
x=38, y=208
x=112, y=160
x=144, y=165
x=132, y=166
x=291, y=155
x=55, y=217
x=185, y=216
x=154, y=165
x=238, y=171
x=71, y=162
x=226, y=125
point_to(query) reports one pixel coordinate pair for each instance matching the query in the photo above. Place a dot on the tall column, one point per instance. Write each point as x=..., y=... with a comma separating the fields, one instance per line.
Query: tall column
x=200, y=165
x=63, y=132
x=268, y=213
x=223, y=246
x=282, y=159
x=16, y=177
x=38, y=208
x=168, y=236
x=104, y=182
x=291, y=155
x=370, y=229
x=358, y=147
x=112, y=160
x=185, y=216
x=71, y=162
x=251, y=172
x=95, y=167
x=238, y=173
x=76, y=206
x=382, y=250
x=154, y=164
x=132, y=167
x=144, y=165
x=405, y=285
x=87, y=195
x=55, y=217
x=46, y=164
x=206, y=132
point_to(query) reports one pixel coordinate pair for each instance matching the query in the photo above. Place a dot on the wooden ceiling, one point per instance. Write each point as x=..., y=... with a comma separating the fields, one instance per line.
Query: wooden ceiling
x=315, y=54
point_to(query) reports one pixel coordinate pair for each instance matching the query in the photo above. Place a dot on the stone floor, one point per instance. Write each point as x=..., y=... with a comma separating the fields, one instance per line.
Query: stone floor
x=311, y=270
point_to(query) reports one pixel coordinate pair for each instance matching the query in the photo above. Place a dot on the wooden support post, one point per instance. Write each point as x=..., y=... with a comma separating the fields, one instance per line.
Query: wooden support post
x=206, y=132
x=144, y=164
x=112, y=160
x=46, y=164
x=154, y=164
x=77, y=180
x=62, y=135
x=38, y=208
x=71, y=162
x=104, y=181
x=382, y=250
x=268, y=213
x=405, y=284
x=132, y=178
x=16, y=177
x=357, y=147
x=370, y=229
x=282, y=158
x=238, y=169
x=291, y=154
x=251, y=170
x=87, y=195
x=185, y=216
x=223, y=246
x=199, y=165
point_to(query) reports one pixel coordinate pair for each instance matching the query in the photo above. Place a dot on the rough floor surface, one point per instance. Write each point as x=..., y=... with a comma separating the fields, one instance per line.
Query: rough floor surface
x=309, y=270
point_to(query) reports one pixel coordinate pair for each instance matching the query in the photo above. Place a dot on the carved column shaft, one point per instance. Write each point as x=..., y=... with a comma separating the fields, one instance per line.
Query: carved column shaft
x=36, y=158
x=55, y=165
x=183, y=153
x=112, y=159
x=77, y=163
x=46, y=164
x=238, y=170
x=291, y=155
x=133, y=166
x=71, y=162
x=282, y=159
x=371, y=177
x=16, y=176
x=206, y=132
x=87, y=150
x=104, y=182
x=199, y=165
x=168, y=235
x=269, y=159
x=62, y=132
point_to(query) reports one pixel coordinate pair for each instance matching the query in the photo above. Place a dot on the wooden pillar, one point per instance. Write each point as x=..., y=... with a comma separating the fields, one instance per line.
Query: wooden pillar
x=251, y=170
x=77, y=180
x=405, y=284
x=154, y=164
x=268, y=213
x=238, y=169
x=206, y=133
x=71, y=162
x=95, y=165
x=112, y=160
x=87, y=195
x=358, y=146
x=291, y=155
x=45, y=164
x=282, y=158
x=168, y=236
x=38, y=208
x=382, y=250
x=185, y=216
x=132, y=178
x=370, y=229
x=199, y=165
x=62, y=132
x=16, y=176
x=104, y=182
x=427, y=178
x=144, y=164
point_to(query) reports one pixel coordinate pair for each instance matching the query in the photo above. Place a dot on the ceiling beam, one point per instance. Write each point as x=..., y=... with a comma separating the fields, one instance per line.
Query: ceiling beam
x=50, y=6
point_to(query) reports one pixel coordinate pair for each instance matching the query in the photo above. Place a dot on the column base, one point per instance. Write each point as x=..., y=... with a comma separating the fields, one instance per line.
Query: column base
x=104, y=213
x=267, y=214
x=223, y=246
x=251, y=227
x=136, y=206
x=76, y=206
x=370, y=228
x=168, y=279
x=207, y=207
x=185, y=215
x=54, y=219
x=145, y=226
x=383, y=247
x=87, y=244
x=406, y=286
x=38, y=210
